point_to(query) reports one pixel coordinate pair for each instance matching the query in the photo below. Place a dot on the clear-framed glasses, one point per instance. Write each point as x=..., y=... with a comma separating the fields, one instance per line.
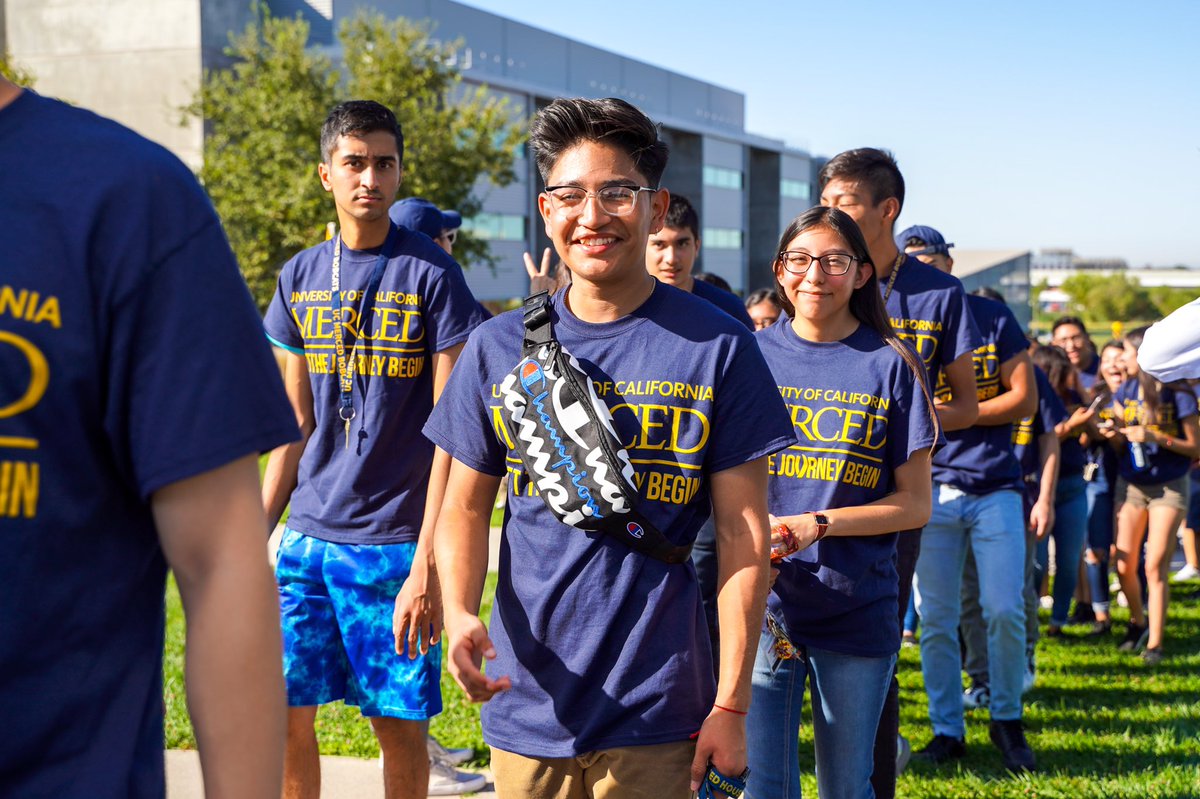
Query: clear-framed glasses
x=615, y=200
x=835, y=263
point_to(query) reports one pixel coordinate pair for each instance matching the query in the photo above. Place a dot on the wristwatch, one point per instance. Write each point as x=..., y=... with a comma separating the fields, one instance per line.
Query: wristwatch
x=822, y=524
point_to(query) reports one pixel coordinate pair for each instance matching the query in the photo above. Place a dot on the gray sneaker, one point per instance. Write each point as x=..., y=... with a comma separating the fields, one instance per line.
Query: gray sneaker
x=446, y=780
x=903, y=753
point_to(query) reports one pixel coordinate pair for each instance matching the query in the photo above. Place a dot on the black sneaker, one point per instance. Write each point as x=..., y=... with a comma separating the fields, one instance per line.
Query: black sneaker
x=1153, y=656
x=941, y=749
x=1134, y=638
x=1009, y=738
x=1100, y=628
x=1083, y=614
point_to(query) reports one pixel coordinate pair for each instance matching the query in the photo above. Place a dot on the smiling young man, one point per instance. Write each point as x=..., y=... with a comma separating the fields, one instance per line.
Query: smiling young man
x=599, y=682
x=928, y=309
x=372, y=322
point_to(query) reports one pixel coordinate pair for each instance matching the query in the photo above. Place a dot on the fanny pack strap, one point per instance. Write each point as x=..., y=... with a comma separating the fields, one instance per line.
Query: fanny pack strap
x=632, y=529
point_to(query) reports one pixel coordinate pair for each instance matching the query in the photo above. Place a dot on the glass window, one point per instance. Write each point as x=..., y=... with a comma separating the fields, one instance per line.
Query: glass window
x=722, y=178
x=720, y=238
x=497, y=227
x=796, y=189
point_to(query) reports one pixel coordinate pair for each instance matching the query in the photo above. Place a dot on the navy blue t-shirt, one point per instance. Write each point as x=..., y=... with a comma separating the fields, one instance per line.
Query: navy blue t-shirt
x=1099, y=451
x=929, y=310
x=859, y=414
x=1025, y=434
x=1174, y=405
x=372, y=492
x=607, y=647
x=131, y=357
x=727, y=302
x=980, y=459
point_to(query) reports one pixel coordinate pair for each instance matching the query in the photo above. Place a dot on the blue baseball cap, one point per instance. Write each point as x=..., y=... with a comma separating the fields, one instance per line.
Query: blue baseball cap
x=417, y=213
x=934, y=241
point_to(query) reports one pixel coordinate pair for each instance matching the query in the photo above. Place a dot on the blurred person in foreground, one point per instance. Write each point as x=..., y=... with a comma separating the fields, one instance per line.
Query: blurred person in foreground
x=135, y=395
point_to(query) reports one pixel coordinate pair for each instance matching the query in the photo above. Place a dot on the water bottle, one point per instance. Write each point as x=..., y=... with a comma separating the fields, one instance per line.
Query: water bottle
x=1137, y=453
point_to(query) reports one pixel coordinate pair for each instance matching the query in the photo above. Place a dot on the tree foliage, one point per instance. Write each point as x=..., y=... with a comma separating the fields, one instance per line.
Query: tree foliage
x=1103, y=298
x=13, y=71
x=263, y=117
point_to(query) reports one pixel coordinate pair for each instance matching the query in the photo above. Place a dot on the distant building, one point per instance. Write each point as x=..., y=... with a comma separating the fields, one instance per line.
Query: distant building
x=1006, y=271
x=140, y=60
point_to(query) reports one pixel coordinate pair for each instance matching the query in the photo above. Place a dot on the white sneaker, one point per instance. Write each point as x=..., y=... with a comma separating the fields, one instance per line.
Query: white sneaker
x=442, y=754
x=1047, y=602
x=446, y=780
x=1030, y=676
x=977, y=696
x=1188, y=572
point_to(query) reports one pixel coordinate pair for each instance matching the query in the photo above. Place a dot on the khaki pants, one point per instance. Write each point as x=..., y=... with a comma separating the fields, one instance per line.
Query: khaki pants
x=662, y=771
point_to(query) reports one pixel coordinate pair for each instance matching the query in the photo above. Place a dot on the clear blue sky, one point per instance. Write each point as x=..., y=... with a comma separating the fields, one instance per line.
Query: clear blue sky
x=1017, y=124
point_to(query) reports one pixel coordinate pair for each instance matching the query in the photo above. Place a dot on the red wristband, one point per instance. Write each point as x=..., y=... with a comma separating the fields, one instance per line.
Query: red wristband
x=730, y=710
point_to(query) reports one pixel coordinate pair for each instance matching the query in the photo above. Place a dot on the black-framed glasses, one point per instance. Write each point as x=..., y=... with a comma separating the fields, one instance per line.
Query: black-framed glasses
x=615, y=200
x=834, y=263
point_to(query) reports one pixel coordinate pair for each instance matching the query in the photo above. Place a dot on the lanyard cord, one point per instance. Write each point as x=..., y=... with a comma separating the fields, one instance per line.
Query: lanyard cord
x=346, y=367
x=892, y=279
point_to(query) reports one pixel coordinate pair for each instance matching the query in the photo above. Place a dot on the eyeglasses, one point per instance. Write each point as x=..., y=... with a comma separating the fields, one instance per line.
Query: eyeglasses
x=835, y=263
x=450, y=236
x=614, y=200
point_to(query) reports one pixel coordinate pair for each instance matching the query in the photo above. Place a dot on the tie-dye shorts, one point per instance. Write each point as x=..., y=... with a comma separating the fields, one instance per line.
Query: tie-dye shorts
x=336, y=601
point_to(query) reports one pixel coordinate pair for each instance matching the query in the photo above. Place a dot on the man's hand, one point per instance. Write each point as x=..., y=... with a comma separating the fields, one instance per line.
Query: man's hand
x=722, y=740
x=417, y=618
x=540, y=279
x=469, y=645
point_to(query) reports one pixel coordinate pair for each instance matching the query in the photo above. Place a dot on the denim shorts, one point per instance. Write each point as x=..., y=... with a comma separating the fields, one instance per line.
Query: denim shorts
x=336, y=602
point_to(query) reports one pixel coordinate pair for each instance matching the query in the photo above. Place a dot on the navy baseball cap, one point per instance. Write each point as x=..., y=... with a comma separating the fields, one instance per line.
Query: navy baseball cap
x=934, y=241
x=417, y=213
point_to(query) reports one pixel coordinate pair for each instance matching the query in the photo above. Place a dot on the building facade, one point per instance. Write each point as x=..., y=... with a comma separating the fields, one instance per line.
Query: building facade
x=139, y=61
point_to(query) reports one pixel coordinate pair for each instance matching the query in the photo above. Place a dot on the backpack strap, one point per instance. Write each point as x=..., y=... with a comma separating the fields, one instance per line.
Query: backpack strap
x=538, y=330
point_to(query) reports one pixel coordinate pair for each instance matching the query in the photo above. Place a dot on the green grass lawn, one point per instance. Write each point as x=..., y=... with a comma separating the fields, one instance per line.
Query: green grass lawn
x=1103, y=725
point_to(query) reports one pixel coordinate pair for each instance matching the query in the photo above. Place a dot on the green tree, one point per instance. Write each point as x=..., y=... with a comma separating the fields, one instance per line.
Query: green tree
x=1106, y=298
x=452, y=135
x=13, y=71
x=263, y=116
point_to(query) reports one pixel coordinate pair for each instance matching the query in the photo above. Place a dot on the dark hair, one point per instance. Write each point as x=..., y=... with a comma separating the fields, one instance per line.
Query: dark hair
x=1069, y=320
x=991, y=294
x=869, y=167
x=358, y=118
x=1101, y=387
x=568, y=121
x=866, y=303
x=681, y=214
x=716, y=280
x=763, y=295
x=1057, y=366
x=1149, y=384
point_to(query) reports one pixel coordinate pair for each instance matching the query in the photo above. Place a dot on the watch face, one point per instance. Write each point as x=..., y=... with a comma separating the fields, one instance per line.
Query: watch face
x=822, y=519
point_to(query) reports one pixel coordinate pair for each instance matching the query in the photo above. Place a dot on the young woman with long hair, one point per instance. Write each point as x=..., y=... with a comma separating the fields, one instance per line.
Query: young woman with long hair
x=1156, y=441
x=1070, y=496
x=859, y=472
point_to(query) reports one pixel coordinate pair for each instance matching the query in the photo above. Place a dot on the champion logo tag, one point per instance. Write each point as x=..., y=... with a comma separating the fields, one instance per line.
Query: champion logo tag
x=635, y=530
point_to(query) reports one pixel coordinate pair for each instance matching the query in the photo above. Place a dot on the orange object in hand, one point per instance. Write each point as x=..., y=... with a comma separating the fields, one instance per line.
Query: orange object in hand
x=786, y=545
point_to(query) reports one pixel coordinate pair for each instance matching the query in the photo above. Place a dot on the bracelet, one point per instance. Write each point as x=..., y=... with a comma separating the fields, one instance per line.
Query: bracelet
x=730, y=710
x=1168, y=442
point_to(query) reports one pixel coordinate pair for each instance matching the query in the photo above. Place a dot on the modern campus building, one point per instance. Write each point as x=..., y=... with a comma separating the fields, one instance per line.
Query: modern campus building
x=139, y=61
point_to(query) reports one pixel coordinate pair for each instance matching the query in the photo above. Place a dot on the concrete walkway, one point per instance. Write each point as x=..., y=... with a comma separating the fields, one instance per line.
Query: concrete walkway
x=341, y=778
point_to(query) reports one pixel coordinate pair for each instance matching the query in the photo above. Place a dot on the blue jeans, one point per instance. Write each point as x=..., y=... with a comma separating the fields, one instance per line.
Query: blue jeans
x=848, y=694
x=992, y=525
x=1070, y=527
x=1099, y=538
x=911, y=619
